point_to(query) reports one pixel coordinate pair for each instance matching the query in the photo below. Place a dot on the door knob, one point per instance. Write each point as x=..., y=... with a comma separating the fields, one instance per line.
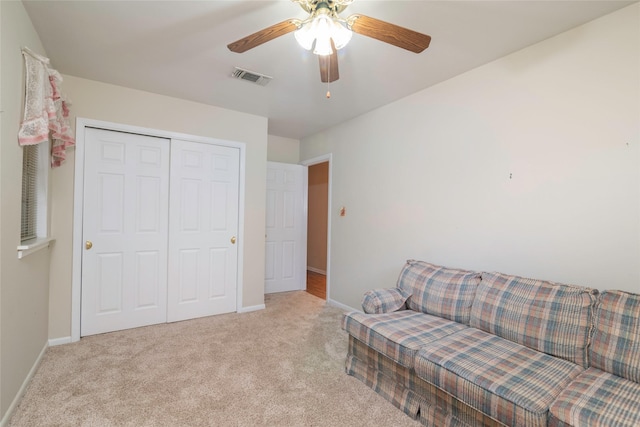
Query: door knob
x=233, y=240
x=88, y=245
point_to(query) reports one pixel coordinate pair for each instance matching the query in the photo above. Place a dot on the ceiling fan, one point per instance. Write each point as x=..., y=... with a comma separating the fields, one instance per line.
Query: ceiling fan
x=326, y=32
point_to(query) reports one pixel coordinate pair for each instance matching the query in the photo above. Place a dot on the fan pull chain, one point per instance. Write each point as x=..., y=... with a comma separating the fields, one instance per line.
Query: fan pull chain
x=328, y=76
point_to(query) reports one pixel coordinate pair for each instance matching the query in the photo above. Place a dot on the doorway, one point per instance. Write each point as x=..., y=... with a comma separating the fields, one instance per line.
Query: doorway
x=317, y=228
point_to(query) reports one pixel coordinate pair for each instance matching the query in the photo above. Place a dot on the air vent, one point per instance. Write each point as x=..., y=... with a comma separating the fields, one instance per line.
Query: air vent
x=250, y=76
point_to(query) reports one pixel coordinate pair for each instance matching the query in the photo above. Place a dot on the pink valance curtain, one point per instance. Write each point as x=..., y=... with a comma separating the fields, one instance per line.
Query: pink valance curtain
x=46, y=111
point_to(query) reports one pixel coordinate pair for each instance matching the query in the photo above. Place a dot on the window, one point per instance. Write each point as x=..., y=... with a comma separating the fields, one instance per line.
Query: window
x=29, y=195
x=35, y=171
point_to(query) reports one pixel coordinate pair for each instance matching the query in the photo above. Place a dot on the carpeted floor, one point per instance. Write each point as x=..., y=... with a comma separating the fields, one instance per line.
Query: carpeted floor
x=283, y=366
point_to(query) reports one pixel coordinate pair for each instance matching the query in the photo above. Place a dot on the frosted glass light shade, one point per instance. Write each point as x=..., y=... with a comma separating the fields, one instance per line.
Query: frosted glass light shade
x=340, y=35
x=323, y=46
x=305, y=36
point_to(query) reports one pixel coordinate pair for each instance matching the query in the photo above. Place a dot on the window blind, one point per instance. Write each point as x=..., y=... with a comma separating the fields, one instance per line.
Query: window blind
x=28, y=229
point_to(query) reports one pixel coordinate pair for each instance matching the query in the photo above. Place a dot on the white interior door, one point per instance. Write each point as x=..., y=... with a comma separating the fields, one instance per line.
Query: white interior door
x=126, y=191
x=286, y=224
x=203, y=230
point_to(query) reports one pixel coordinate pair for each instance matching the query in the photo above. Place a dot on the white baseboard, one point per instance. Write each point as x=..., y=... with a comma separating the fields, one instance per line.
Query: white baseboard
x=23, y=388
x=59, y=341
x=317, y=270
x=341, y=306
x=252, y=308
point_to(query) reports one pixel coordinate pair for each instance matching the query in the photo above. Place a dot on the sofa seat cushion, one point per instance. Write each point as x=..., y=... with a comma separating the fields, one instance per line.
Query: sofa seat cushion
x=549, y=317
x=508, y=381
x=440, y=291
x=598, y=399
x=398, y=335
x=615, y=346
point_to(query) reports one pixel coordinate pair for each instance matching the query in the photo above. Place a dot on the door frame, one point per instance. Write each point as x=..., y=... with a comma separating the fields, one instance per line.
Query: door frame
x=78, y=203
x=310, y=162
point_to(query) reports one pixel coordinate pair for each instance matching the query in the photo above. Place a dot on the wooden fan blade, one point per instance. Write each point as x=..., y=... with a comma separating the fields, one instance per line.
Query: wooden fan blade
x=262, y=36
x=329, y=67
x=389, y=33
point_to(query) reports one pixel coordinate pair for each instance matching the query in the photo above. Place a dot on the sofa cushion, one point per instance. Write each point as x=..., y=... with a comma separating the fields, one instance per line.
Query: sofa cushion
x=398, y=335
x=597, y=399
x=509, y=382
x=550, y=317
x=615, y=346
x=440, y=291
x=384, y=300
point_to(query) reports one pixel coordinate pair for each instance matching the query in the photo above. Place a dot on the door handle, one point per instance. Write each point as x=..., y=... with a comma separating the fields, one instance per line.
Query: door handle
x=233, y=240
x=88, y=245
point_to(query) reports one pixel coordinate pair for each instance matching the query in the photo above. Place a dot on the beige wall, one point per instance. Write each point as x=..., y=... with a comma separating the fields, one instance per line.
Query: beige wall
x=318, y=203
x=528, y=165
x=24, y=284
x=100, y=101
x=283, y=150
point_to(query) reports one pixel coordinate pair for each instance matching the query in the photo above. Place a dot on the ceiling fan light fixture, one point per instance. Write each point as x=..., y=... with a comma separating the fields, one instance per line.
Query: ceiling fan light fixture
x=322, y=29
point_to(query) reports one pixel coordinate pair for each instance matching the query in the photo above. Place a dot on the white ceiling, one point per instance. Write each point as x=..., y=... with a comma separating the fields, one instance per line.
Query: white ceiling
x=178, y=48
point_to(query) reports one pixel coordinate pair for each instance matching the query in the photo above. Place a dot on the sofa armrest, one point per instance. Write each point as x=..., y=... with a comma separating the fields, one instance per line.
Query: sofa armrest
x=378, y=301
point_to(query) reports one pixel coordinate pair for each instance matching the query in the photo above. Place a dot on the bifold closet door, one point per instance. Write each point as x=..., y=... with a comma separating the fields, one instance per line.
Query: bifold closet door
x=203, y=230
x=125, y=226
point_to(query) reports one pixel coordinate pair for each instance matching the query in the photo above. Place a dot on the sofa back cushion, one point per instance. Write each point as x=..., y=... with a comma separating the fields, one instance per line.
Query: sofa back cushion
x=440, y=291
x=615, y=346
x=550, y=317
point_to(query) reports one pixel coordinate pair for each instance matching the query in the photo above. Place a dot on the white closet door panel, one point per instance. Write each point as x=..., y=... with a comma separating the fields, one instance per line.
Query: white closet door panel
x=148, y=265
x=125, y=217
x=189, y=279
x=203, y=224
x=111, y=202
x=109, y=283
x=285, y=262
x=149, y=204
x=218, y=272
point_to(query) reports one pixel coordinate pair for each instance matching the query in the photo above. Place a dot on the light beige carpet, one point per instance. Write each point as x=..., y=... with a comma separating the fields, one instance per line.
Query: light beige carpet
x=283, y=366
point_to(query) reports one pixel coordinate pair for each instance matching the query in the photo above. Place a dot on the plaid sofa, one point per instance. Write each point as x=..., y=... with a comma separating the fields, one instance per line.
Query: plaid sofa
x=452, y=347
